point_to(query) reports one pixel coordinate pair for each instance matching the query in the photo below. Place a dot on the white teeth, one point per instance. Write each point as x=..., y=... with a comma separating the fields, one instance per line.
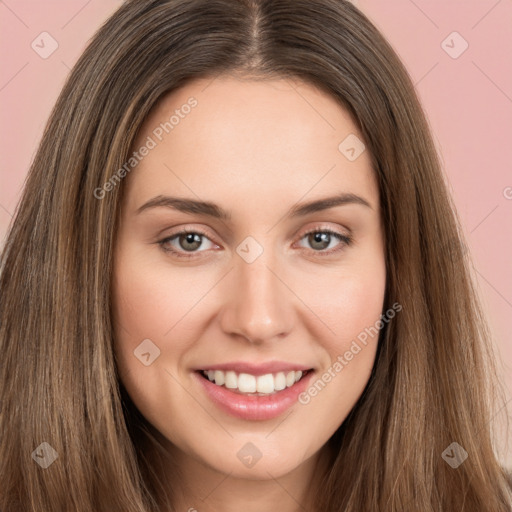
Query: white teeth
x=267, y=384
x=280, y=381
x=246, y=383
x=231, y=381
x=219, y=377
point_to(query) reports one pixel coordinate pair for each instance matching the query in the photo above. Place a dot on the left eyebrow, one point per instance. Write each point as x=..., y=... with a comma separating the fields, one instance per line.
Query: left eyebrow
x=328, y=202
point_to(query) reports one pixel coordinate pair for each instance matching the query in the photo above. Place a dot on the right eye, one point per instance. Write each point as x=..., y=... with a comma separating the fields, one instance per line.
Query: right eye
x=186, y=241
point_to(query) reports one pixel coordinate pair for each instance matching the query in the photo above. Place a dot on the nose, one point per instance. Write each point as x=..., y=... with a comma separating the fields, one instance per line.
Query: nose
x=258, y=304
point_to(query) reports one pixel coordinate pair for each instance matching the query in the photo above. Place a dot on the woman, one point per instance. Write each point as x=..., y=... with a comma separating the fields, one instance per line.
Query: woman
x=227, y=282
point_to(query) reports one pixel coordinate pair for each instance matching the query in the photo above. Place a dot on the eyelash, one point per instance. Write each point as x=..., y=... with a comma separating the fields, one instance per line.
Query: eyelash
x=345, y=239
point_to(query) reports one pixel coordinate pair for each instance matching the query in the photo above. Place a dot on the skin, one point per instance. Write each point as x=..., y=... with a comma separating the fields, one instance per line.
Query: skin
x=256, y=149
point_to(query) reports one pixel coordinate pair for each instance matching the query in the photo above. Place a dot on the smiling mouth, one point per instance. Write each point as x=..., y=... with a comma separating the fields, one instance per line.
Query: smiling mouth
x=252, y=385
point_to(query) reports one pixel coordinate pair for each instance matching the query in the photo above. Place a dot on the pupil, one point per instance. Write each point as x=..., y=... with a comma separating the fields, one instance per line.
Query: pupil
x=191, y=238
x=322, y=239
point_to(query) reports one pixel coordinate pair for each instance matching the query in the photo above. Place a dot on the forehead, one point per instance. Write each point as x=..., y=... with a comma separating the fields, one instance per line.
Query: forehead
x=229, y=136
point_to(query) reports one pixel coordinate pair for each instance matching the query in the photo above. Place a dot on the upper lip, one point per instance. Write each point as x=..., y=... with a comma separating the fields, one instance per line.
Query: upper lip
x=256, y=369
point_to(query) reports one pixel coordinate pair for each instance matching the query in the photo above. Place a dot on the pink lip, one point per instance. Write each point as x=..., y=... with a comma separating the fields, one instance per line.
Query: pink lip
x=253, y=407
x=256, y=369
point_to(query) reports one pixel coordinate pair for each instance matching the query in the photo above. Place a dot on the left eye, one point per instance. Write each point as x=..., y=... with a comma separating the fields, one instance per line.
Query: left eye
x=321, y=240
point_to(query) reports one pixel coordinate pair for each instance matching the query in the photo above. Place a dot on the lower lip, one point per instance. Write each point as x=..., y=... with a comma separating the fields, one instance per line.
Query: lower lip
x=255, y=408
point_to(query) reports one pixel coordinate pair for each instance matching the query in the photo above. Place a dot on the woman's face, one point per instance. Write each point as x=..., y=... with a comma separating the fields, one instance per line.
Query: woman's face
x=281, y=270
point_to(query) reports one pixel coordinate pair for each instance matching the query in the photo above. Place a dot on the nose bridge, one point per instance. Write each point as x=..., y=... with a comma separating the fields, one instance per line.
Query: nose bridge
x=259, y=304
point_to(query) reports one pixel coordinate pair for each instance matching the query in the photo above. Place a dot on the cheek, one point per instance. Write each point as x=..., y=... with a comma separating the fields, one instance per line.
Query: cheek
x=141, y=305
x=154, y=301
x=350, y=303
x=167, y=305
x=348, y=300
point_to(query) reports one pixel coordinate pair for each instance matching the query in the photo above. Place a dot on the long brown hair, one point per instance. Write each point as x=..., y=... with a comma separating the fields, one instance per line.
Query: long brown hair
x=432, y=383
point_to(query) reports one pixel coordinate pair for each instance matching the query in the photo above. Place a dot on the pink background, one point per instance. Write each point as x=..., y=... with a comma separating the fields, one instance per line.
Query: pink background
x=467, y=99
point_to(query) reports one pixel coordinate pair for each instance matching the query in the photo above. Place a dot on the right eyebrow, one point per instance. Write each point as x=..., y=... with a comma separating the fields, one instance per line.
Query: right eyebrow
x=186, y=206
